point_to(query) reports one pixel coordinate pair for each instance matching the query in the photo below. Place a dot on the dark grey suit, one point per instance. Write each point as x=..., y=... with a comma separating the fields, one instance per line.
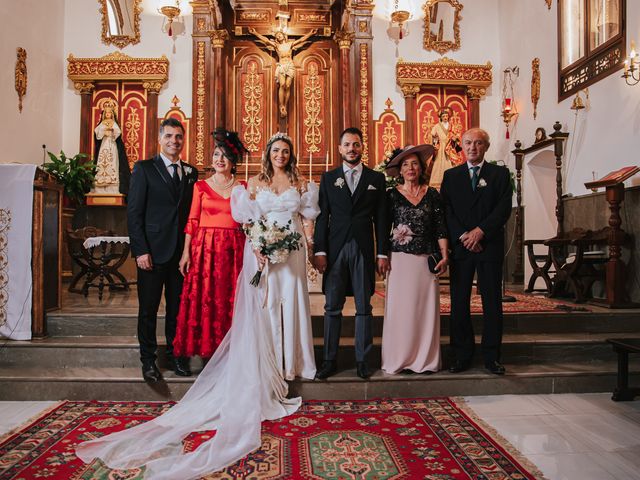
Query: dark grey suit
x=345, y=232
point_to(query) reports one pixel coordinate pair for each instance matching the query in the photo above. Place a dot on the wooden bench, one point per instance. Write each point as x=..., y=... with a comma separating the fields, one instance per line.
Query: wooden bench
x=623, y=347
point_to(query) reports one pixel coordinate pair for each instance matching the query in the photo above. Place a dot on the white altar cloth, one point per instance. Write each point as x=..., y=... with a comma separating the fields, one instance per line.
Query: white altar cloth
x=16, y=218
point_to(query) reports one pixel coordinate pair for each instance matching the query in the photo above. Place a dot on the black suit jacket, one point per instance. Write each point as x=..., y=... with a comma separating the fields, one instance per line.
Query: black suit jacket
x=344, y=216
x=489, y=208
x=156, y=213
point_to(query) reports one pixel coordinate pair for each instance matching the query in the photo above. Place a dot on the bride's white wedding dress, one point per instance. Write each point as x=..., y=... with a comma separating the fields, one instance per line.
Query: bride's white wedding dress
x=243, y=383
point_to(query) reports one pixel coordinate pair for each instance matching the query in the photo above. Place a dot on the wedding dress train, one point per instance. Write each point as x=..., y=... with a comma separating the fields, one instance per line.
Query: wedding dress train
x=242, y=384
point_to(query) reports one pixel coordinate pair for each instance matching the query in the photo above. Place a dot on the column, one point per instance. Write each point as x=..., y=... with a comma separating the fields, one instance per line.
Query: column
x=151, y=145
x=85, y=89
x=344, y=39
x=218, y=38
x=409, y=92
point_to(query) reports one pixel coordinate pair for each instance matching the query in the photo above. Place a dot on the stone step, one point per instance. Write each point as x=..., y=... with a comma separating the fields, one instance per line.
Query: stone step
x=122, y=351
x=126, y=384
x=69, y=325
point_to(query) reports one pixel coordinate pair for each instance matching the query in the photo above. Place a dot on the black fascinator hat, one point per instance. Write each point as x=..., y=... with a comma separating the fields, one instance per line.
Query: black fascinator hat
x=230, y=144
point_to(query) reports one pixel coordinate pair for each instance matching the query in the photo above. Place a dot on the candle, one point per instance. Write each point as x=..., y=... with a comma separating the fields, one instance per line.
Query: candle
x=310, y=171
x=626, y=66
x=507, y=105
x=326, y=164
x=246, y=167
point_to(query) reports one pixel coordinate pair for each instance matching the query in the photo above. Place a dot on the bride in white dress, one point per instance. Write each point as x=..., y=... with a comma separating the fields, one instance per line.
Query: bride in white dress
x=270, y=339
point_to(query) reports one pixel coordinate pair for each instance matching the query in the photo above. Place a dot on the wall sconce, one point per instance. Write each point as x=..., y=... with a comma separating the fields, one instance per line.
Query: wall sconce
x=509, y=109
x=171, y=11
x=631, y=73
x=579, y=104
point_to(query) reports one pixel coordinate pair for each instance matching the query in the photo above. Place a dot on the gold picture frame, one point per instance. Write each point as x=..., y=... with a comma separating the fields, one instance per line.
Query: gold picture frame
x=442, y=25
x=120, y=22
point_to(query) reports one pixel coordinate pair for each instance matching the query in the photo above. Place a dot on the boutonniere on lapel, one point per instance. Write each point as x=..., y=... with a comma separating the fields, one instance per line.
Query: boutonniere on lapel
x=339, y=182
x=482, y=183
x=188, y=170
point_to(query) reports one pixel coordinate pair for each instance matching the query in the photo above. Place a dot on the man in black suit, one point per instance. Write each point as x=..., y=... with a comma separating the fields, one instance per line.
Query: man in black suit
x=352, y=203
x=477, y=198
x=157, y=211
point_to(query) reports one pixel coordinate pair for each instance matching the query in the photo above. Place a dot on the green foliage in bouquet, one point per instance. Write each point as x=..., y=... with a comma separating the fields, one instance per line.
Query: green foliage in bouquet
x=74, y=173
x=391, y=182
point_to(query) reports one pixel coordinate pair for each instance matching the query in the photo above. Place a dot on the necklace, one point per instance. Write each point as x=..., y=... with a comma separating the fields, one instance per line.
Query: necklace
x=223, y=186
x=408, y=192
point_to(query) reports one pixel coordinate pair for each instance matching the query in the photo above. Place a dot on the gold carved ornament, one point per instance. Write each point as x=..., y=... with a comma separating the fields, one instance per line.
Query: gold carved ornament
x=435, y=41
x=252, y=93
x=21, y=75
x=5, y=225
x=153, y=72
x=312, y=97
x=200, y=102
x=549, y=3
x=120, y=41
x=218, y=37
x=411, y=76
x=535, y=85
x=364, y=100
x=344, y=38
x=132, y=140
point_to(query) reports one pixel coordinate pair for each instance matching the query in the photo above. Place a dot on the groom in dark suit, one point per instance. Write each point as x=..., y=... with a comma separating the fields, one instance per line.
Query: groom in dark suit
x=157, y=211
x=477, y=198
x=352, y=206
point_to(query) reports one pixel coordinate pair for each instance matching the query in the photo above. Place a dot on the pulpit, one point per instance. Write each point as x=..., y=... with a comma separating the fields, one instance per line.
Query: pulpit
x=46, y=260
x=615, y=267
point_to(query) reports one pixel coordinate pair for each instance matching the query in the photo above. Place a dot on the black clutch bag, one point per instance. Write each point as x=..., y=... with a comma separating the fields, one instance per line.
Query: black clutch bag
x=433, y=261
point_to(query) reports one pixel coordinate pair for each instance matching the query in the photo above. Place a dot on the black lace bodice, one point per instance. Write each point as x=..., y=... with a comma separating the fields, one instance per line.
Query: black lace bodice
x=416, y=228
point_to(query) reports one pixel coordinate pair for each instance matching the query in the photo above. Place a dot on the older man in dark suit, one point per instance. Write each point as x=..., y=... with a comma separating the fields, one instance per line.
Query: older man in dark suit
x=477, y=197
x=157, y=211
x=352, y=206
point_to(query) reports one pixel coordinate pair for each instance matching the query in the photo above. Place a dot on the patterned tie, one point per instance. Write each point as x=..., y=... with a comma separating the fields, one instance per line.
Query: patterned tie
x=351, y=179
x=175, y=177
x=474, y=177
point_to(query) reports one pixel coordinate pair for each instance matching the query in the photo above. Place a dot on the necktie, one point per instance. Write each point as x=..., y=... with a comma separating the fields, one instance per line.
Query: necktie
x=352, y=179
x=474, y=177
x=175, y=177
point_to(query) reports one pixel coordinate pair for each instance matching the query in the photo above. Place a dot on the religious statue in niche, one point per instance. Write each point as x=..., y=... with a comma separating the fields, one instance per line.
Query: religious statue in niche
x=21, y=75
x=112, y=167
x=445, y=136
x=285, y=70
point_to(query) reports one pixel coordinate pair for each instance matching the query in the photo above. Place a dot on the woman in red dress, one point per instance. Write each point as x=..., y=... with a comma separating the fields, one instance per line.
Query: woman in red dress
x=212, y=256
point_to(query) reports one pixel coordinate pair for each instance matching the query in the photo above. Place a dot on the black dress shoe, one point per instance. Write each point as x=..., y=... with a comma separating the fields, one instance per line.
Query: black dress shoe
x=459, y=366
x=181, y=367
x=328, y=368
x=495, y=367
x=362, y=370
x=150, y=372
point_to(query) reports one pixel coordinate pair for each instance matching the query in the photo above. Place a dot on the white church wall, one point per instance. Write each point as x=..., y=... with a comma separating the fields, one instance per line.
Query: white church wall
x=82, y=38
x=479, y=44
x=603, y=137
x=37, y=27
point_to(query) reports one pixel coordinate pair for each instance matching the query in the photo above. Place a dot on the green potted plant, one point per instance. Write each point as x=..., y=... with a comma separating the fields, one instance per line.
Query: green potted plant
x=74, y=173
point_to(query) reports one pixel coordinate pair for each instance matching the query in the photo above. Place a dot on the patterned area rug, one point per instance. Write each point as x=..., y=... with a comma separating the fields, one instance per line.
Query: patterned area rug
x=431, y=439
x=525, y=303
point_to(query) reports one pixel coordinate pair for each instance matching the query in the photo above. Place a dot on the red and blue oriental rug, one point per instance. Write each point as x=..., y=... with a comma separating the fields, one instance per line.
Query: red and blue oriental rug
x=430, y=439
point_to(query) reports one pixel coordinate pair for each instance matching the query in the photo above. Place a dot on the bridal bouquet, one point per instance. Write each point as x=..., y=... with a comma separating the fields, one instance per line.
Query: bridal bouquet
x=272, y=241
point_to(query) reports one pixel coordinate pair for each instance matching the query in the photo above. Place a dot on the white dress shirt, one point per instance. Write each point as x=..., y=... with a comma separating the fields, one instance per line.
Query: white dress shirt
x=354, y=172
x=470, y=165
x=168, y=163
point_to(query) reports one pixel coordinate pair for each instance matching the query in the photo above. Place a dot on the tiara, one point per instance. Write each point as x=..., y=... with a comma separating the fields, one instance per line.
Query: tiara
x=280, y=136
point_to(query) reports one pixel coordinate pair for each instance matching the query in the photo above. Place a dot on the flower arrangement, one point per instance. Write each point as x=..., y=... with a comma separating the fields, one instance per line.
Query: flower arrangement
x=75, y=174
x=272, y=241
x=391, y=182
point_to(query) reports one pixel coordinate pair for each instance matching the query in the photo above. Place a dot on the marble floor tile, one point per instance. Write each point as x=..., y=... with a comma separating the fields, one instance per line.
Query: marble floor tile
x=506, y=405
x=14, y=414
x=570, y=466
x=622, y=464
x=531, y=434
x=604, y=431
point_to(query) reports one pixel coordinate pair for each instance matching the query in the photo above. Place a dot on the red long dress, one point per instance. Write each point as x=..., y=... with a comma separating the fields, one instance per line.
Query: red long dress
x=208, y=292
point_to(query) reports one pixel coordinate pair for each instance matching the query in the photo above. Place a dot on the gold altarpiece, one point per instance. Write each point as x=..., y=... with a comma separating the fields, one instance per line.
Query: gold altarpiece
x=234, y=82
